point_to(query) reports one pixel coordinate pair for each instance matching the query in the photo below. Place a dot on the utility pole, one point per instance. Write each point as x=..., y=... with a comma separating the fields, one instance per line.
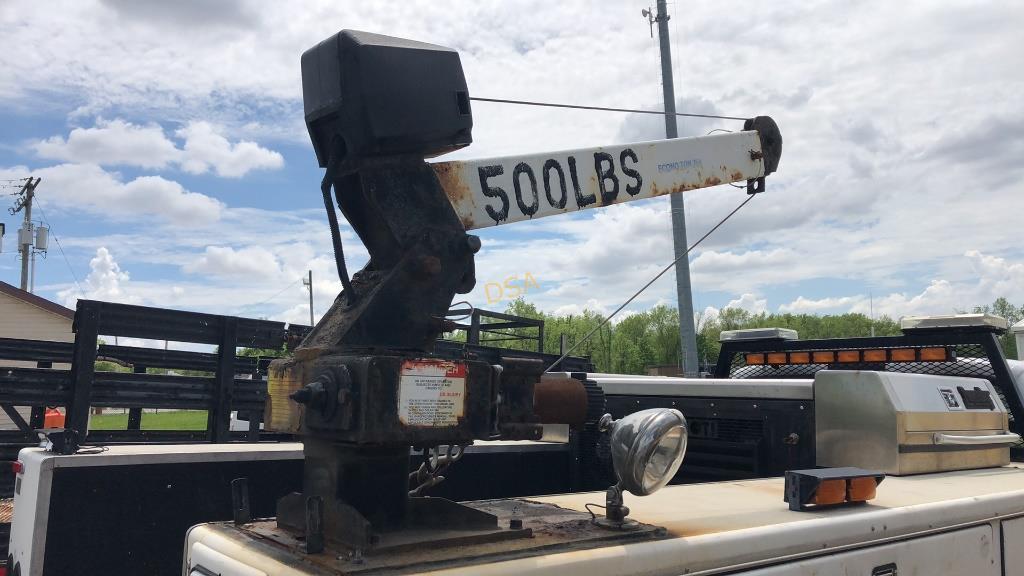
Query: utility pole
x=871, y=295
x=27, y=193
x=308, y=281
x=687, y=335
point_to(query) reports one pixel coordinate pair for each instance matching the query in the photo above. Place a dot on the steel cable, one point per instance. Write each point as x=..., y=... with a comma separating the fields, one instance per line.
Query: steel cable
x=652, y=281
x=599, y=108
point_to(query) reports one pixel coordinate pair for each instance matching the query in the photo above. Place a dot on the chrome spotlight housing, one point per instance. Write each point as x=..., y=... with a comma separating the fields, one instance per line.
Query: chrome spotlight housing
x=647, y=448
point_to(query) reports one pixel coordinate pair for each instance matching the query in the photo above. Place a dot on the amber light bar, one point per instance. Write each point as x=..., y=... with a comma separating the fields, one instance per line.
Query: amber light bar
x=851, y=356
x=830, y=487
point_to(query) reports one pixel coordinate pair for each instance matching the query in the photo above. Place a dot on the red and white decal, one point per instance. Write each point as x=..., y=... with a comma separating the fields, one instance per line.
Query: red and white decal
x=432, y=393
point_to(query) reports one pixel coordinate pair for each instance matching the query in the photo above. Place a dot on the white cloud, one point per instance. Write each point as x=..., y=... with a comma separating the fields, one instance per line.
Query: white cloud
x=88, y=187
x=205, y=149
x=111, y=143
x=810, y=306
x=750, y=303
x=106, y=281
x=993, y=277
x=878, y=185
x=249, y=262
x=120, y=143
x=591, y=305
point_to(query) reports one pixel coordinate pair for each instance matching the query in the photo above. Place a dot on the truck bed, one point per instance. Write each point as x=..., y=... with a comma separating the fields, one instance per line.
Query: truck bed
x=724, y=527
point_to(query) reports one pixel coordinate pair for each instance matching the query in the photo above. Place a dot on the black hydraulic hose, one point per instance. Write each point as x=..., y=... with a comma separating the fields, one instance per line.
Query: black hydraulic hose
x=332, y=218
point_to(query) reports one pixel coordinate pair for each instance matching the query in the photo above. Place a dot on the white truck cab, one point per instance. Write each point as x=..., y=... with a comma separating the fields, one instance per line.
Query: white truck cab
x=950, y=503
x=968, y=523
x=126, y=507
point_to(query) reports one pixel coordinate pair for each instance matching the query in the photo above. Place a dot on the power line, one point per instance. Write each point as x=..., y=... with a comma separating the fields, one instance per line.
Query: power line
x=279, y=293
x=59, y=247
x=652, y=281
x=600, y=108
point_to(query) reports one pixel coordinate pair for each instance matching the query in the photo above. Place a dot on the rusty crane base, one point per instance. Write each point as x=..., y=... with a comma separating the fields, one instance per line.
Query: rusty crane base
x=525, y=528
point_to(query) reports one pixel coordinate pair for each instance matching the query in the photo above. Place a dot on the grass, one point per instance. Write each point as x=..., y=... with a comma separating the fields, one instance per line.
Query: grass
x=173, y=420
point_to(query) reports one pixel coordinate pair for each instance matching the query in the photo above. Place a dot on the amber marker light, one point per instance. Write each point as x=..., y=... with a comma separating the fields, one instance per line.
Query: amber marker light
x=827, y=487
x=904, y=355
x=849, y=355
x=874, y=355
x=824, y=357
x=934, y=354
x=799, y=357
x=862, y=489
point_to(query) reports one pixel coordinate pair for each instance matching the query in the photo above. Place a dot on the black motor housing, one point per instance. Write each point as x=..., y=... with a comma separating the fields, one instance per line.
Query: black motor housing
x=384, y=96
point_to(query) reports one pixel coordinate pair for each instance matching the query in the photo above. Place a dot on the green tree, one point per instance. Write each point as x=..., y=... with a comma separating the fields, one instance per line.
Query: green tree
x=648, y=338
x=1013, y=314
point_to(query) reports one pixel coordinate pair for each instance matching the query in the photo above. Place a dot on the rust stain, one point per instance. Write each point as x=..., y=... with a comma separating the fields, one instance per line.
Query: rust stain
x=737, y=175
x=457, y=190
x=683, y=187
x=454, y=186
x=712, y=181
x=560, y=401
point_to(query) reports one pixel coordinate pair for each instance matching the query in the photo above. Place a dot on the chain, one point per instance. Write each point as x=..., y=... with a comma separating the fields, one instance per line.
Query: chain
x=434, y=463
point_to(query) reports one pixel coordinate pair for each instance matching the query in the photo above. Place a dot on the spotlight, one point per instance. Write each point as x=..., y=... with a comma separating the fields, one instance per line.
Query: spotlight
x=647, y=448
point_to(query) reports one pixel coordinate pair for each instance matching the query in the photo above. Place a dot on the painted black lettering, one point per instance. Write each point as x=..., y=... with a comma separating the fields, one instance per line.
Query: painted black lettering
x=549, y=165
x=631, y=189
x=581, y=200
x=486, y=172
x=527, y=209
x=604, y=175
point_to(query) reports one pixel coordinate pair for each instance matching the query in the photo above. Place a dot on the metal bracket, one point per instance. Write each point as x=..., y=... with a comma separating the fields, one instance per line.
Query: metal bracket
x=314, y=525
x=240, y=508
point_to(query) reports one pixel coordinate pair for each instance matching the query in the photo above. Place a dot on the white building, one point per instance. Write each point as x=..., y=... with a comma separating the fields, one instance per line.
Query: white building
x=30, y=317
x=1018, y=331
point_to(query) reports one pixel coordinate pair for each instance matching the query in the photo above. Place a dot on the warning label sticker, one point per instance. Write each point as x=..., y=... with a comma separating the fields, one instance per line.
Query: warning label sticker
x=431, y=393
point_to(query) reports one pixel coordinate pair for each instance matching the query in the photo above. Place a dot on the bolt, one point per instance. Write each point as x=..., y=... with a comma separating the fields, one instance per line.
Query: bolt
x=302, y=395
x=473, y=243
x=312, y=394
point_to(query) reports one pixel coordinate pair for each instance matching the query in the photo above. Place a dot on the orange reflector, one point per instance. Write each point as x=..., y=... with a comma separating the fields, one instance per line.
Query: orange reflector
x=799, y=357
x=776, y=357
x=874, y=355
x=824, y=357
x=904, y=355
x=755, y=359
x=849, y=355
x=934, y=354
x=830, y=492
x=862, y=489
x=53, y=418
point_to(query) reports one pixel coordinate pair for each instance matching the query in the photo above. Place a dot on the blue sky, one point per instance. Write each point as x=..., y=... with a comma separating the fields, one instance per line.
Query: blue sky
x=176, y=170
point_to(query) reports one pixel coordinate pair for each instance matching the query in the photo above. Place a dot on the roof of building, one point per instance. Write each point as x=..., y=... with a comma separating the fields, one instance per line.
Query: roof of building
x=37, y=301
x=1018, y=327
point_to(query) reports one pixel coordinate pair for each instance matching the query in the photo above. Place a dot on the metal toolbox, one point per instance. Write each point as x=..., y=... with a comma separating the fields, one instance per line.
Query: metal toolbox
x=909, y=423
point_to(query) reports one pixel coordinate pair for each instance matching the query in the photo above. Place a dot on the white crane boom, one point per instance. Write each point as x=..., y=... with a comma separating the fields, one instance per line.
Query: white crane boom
x=497, y=191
